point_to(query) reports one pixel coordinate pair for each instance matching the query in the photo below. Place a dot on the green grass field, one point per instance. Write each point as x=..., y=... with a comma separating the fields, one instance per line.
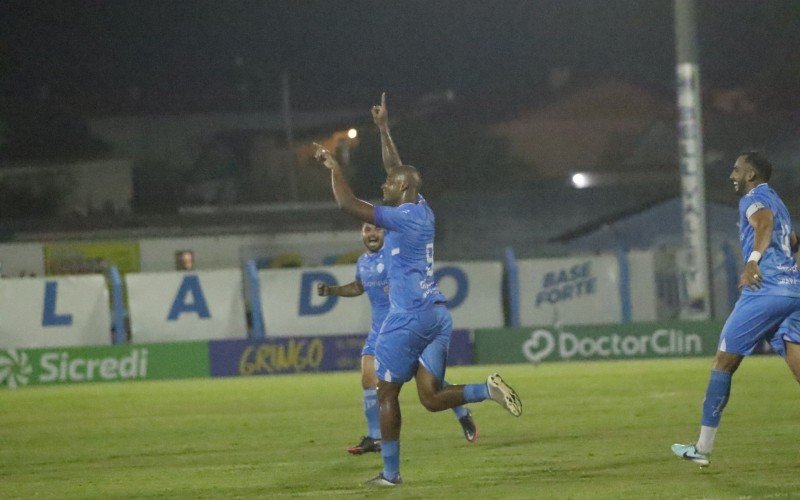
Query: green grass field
x=589, y=430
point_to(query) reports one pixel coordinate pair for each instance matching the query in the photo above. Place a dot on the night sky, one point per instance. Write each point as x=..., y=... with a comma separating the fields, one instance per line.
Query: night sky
x=143, y=55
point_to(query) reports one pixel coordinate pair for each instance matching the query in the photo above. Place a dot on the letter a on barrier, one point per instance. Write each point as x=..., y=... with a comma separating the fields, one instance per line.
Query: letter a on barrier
x=189, y=286
x=49, y=315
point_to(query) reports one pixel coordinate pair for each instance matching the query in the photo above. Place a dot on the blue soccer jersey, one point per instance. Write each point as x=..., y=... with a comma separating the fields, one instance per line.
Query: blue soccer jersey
x=409, y=241
x=373, y=273
x=780, y=275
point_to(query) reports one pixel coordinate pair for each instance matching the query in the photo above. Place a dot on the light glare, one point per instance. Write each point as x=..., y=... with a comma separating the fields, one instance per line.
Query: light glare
x=580, y=180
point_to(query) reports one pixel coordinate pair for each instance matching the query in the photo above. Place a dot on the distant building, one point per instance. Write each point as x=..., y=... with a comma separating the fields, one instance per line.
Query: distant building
x=597, y=126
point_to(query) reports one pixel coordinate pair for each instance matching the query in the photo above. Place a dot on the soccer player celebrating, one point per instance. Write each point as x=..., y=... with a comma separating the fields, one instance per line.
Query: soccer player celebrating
x=372, y=278
x=769, y=306
x=416, y=333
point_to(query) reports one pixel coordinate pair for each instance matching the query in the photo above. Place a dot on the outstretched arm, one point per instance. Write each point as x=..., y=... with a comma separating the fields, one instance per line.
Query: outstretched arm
x=380, y=115
x=353, y=289
x=344, y=196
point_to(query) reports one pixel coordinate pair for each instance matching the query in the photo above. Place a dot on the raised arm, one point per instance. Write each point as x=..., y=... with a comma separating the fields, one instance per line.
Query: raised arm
x=380, y=115
x=342, y=192
x=353, y=289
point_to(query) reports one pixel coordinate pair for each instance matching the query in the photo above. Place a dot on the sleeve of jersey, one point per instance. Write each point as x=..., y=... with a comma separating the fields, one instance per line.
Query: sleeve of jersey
x=391, y=218
x=358, y=270
x=751, y=205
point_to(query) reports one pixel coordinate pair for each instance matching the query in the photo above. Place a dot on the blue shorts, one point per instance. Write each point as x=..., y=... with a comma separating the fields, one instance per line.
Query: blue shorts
x=757, y=317
x=410, y=338
x=369, y=345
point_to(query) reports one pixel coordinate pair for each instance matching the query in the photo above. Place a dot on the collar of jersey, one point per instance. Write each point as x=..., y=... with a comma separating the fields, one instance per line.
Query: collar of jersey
x=758, y=186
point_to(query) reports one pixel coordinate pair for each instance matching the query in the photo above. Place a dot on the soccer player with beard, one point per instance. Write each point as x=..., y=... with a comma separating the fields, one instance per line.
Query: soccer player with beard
x=769, y=306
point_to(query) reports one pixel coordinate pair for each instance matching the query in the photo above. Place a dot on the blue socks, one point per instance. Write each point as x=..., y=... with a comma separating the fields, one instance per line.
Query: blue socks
x=390, y=451
x=717, y=393
x=371, y=411
x=460, y=411
x=474, y=393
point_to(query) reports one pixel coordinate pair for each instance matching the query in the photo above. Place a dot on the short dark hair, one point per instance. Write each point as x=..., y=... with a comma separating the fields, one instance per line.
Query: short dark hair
x=759, y=162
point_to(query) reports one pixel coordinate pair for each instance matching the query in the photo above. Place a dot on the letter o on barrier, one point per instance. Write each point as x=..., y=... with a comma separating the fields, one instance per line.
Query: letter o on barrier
x=462, y=284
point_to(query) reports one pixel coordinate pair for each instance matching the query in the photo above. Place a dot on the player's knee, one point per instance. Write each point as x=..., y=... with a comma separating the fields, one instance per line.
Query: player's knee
x=431, y=402
x=369, y=380
x=387, y=392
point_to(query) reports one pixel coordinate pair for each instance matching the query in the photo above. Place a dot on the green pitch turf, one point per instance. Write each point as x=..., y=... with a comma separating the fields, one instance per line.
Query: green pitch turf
x=589, y=430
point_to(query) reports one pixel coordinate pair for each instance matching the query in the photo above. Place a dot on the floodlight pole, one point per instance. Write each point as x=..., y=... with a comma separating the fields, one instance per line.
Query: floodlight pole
x=693, y=257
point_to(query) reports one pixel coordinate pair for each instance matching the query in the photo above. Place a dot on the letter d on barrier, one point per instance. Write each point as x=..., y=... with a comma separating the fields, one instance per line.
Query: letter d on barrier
x=308, y=290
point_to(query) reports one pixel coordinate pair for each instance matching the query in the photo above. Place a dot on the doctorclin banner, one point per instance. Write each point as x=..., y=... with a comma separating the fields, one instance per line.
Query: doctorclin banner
x=579, y=343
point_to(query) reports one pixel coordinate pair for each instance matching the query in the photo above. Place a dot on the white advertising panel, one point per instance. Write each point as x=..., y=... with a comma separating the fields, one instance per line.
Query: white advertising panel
x=54, y=312
x=291, y=305
x=571, y=291
x=644, y=297
x=166, y=307
x=474, y=292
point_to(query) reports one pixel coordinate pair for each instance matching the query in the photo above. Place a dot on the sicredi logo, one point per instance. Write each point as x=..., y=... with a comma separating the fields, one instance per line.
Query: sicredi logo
x=15, y=369
x=566, y=345
x=61, y=367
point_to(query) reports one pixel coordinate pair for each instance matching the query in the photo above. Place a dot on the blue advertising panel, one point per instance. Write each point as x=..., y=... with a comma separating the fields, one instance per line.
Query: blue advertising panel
x=281, y=355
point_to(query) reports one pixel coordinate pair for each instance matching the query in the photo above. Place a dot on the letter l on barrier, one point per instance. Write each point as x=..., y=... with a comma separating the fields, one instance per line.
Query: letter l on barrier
x=49, y=315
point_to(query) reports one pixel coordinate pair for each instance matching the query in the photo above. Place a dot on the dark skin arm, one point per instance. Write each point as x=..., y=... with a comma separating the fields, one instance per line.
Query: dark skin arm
x=380, y=115
x=353, y=289
x=762, y=223
x=342, y=192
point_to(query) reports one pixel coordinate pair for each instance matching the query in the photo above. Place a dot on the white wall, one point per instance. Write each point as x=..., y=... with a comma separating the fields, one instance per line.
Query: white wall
x=215, y=252
x=644, y=300
x=16, y=258
x=99, y=184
